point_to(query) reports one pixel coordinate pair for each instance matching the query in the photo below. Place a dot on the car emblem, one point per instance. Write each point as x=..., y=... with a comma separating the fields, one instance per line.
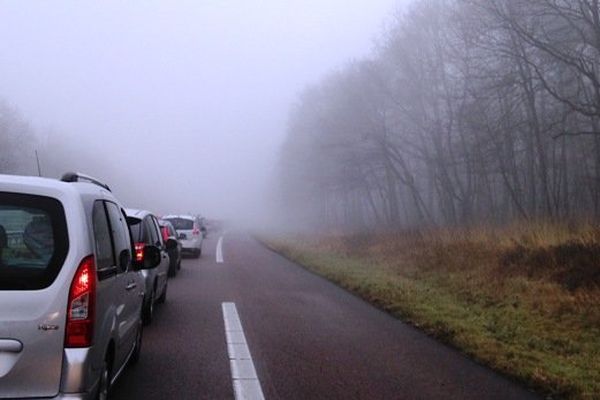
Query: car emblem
x=46, y=327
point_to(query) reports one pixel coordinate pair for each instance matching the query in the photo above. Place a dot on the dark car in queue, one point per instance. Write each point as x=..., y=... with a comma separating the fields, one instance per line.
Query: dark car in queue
x=168, y=232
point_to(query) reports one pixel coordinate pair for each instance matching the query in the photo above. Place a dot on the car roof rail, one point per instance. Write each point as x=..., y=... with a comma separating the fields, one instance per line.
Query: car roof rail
x=79, y=177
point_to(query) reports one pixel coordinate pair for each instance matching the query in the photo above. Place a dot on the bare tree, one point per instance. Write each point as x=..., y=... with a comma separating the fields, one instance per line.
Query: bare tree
x=17, y=142
x=471, y=110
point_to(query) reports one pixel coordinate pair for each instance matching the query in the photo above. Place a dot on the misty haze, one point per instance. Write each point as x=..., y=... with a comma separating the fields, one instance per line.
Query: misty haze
x=386, y=199
x=191, y=95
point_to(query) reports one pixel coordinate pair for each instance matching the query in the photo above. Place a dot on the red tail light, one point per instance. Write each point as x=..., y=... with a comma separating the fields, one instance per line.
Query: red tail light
x=196, y=232
x=165, y=233
x=139, y=251
x=80, y=310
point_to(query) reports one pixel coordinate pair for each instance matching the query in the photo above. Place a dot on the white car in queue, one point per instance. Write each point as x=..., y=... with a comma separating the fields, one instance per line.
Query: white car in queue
x=189, y=231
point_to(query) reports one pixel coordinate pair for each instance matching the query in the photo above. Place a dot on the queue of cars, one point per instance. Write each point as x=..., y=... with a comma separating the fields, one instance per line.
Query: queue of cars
x=79, y=277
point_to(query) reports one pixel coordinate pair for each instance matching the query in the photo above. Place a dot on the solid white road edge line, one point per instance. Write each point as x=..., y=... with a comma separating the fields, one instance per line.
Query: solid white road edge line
x=246, y=385
x=220, y=250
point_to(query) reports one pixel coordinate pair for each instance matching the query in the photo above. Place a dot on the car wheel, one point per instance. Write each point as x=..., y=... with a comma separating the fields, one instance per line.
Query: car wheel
x=172, y=271
x=104, y=384
x=197, y=253
x=163, y=296
x=137, y=351
x=148, y=312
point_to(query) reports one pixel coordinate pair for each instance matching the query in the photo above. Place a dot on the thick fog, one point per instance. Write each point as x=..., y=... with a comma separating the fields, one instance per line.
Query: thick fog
x=181, y=106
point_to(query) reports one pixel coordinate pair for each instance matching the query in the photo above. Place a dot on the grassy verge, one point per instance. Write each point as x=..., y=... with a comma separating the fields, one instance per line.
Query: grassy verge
x=524, y=300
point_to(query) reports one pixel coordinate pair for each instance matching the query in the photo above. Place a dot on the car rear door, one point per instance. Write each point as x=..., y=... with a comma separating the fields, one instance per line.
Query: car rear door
x=156, y=240
x=173, y=234
x=129, y=313
x=34, y=248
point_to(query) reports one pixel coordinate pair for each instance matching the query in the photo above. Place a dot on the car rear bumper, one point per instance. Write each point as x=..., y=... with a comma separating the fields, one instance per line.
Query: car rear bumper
x=191, y=244
x=78, y=381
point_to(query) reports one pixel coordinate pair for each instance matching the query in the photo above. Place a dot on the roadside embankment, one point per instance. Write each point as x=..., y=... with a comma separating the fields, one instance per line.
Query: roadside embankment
x=523, y=299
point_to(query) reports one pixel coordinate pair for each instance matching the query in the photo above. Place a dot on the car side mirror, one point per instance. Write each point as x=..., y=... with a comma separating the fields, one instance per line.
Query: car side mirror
x=171, y=244
x=152, y=257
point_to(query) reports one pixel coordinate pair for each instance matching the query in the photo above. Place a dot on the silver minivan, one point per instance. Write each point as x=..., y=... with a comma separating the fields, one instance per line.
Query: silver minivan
x=70, y=290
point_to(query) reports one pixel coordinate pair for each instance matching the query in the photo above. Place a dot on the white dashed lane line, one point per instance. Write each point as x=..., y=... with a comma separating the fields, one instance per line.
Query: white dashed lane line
x=245, y=381
x=220, y=250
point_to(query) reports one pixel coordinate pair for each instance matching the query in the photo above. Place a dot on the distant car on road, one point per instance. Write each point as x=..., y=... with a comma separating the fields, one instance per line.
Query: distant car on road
x=145, y=231
x=169, y=233
x=66, y=266
x=189, y=232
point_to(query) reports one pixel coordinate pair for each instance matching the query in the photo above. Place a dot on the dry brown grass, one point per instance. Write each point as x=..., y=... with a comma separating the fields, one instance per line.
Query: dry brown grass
x=522, y=298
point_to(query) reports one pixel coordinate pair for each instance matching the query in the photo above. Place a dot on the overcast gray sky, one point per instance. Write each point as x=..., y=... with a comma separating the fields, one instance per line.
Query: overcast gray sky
x=203, y=85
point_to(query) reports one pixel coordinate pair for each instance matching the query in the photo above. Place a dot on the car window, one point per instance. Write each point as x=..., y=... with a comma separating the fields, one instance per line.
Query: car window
x=120, y=235
x=136, y=227
x=147, y=232
x=164, y=230
x=182, y=223
x=160, y=242
x=33, y=241
x=103, y=243
x=152, y=235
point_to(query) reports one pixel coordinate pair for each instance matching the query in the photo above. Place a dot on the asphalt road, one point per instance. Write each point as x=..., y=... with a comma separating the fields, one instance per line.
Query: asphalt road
x=308, y=339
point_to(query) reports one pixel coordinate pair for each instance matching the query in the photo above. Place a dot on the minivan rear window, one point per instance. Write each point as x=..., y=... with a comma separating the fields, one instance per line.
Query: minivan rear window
x=181, y=223
x=135, y=227
x=33, y=241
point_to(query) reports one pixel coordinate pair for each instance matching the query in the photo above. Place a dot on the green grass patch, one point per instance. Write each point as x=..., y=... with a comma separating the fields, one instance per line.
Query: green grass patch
x=523, y=300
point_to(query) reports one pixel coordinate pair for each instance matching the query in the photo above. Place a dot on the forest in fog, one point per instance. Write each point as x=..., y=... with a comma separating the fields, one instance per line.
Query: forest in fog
x=17, y=142
x=468, y=112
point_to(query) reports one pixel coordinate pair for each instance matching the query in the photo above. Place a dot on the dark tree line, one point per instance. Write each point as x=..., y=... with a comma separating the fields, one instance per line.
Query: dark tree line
x=471, y=111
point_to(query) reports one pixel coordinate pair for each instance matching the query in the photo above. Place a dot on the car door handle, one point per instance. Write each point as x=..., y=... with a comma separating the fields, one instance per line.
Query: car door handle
x=10, y=346
x=130, y=286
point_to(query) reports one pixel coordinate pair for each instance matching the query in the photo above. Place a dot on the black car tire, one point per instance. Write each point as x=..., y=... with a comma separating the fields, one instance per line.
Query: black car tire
x=172, y=271
x=148, y=311
x=137, y=351
x=163, y=296
x=104, y=383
